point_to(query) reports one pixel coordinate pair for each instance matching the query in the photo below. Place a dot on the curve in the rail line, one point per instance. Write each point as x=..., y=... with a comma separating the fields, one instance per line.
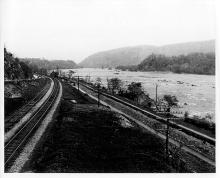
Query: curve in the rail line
x=30, y=146
x=15, y=143
x=15, y=117
x=11, y=132
x=12, y=148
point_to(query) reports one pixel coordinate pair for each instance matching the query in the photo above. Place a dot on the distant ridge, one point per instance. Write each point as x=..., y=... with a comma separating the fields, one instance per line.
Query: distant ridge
x=50, y=64
x=134, y=55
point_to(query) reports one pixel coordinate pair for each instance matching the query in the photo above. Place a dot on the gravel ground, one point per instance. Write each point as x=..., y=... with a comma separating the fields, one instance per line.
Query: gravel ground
x=27, y=152
x=11, y=132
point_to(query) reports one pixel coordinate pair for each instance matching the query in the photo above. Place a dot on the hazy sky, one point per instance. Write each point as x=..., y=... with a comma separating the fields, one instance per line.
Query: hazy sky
x=74, y=29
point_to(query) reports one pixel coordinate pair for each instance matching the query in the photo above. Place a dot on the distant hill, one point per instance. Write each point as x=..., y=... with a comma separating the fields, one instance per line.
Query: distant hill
x=193, y=63
x=134, y=55
x=50, y=64
x=115, y=57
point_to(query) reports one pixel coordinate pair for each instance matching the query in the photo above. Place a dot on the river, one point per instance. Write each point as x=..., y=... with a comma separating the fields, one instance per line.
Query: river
x=196, y=93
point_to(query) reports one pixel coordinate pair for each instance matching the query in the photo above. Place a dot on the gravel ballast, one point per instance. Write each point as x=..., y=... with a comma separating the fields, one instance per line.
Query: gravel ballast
x=192, y=142
x=86, y=138
x=29, y=148
x=11, y=132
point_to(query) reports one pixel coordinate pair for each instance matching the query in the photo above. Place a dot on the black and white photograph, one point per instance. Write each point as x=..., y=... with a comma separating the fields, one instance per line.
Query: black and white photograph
x=108, y=86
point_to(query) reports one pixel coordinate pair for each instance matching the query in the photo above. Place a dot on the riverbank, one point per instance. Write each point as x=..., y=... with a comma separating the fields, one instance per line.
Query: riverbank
x=202, y=125
x=196, y=93
x=87, y=138
x=182, y=138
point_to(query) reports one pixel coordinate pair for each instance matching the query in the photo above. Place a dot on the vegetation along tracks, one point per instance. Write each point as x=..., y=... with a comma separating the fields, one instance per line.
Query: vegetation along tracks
x=13, y=146
x=15, y=117
x=186, y=139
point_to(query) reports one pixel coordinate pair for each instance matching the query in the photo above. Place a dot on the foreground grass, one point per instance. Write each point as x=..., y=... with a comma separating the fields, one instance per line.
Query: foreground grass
x=85, y=138
x=95, y=141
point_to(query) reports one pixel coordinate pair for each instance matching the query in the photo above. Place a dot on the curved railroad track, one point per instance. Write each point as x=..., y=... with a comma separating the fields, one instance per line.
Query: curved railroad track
x=14, y=146
x=16, y=116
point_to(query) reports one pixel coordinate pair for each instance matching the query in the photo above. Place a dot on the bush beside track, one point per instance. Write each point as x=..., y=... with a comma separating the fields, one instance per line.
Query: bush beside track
x=28, y=91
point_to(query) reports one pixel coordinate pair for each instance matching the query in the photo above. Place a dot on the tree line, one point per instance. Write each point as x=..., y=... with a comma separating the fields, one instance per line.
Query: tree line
x=50, y=64
x=135, y=92
x=194, y=63
x=14, y=68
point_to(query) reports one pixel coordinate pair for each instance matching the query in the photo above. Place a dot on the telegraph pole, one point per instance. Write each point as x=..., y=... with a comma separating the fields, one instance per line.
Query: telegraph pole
x=78, y=82
x=156, y=94
x=167, y=140
x=98, y=96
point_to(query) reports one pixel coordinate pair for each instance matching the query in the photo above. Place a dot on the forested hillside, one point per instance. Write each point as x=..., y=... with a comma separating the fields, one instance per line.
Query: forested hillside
x=195, y=63
x=115, y=57
x=134, y=55
x=14, y=68
x=50, y=64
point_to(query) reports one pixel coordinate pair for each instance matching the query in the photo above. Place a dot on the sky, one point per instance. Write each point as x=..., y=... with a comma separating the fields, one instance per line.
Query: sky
x=75, y=29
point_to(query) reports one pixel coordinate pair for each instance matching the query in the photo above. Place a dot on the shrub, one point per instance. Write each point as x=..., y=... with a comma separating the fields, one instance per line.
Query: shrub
x=186, y=115
x=114, y=84
x=171, y=100
x=201, y=122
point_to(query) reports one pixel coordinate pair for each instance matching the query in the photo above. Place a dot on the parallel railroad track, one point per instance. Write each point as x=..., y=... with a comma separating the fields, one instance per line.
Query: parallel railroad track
x=14, y=146
x=186, y=130
x=159, y=118
x=16, y=116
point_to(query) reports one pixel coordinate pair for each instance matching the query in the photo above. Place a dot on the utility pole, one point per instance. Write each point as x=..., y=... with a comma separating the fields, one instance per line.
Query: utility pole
x=156, y=94
x=98, y=96
x=78, y=82
x=167, y=141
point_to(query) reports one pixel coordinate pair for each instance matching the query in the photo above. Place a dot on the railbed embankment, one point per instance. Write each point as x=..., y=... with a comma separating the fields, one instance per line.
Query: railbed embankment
x=87, y=138
x=25, y=156
x=183, y=139
x=26, y=117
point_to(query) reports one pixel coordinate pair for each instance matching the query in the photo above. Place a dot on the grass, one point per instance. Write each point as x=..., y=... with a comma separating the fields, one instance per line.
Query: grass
x=31, y=90
x=94, y=141
x=86, y=138
x=201, y=123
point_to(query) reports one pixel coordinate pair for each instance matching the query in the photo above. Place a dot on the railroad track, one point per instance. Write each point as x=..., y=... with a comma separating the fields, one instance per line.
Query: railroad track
x=186, y=130
x=159, y=118
x=16, y=116
x=14, y=146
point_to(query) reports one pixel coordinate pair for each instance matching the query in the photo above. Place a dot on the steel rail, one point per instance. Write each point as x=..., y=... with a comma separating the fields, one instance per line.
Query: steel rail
x=20, y=112
x=171, y=140
x=18, y=140
x=184, y=129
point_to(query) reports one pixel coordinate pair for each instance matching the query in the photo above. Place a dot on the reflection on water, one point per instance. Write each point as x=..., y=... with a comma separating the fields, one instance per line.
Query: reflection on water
x=196, y=93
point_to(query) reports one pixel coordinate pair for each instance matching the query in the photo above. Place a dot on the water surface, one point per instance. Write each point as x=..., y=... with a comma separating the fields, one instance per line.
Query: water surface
x=196, y=93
